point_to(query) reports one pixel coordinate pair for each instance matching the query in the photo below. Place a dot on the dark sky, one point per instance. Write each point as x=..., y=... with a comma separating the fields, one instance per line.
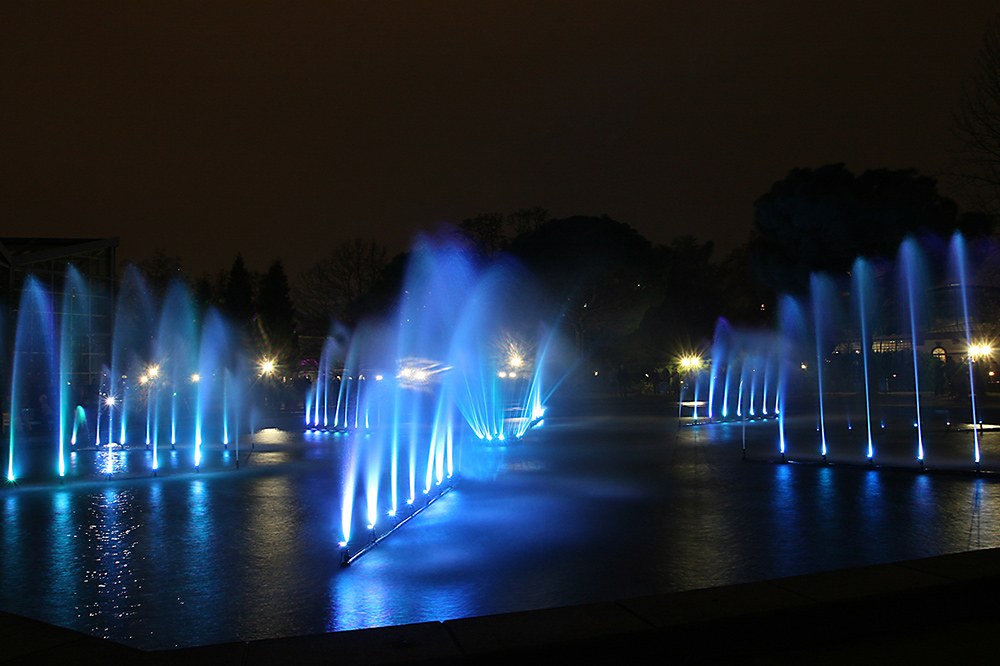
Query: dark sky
x=280, y=129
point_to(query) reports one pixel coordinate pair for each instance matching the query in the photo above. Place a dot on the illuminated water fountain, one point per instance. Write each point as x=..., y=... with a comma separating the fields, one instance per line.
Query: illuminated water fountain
x=437, y=388
x=850, y=355
x=742, y=377
x=172, y=375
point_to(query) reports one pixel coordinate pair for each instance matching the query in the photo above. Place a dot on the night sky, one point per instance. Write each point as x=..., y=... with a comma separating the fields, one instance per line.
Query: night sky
x=280, y=129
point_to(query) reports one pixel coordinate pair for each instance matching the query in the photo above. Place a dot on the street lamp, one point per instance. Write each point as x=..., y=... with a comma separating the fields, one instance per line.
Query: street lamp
x=690, y=362
x=975, y=351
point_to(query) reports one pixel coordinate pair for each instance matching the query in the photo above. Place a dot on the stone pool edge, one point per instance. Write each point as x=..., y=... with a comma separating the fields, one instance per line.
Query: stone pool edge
x=930, y=608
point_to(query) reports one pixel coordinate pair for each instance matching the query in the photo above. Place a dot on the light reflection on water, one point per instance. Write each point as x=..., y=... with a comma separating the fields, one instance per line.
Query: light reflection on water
x=107, y=579
x=63, y=539
x=86, y=462
x=587, y=511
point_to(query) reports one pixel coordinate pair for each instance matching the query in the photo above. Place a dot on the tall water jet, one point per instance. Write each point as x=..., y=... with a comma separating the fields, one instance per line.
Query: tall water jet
x=328, y=382
x=862, y=284
x=174, y=363
x=911, y=265
x=209, y=379
x=958, y=255
x=135, y=317
x=720, y=354
x=492, y=365
x=791, y=334
x=823, y=294
x=34, y=373
x=74, y=357
x=766, y=381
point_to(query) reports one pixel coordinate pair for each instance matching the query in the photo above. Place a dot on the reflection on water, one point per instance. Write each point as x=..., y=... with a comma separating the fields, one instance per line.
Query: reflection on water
x=387, y=587
x=87, y=462
x=108, y=581
x=275, y=436
x=584, y=511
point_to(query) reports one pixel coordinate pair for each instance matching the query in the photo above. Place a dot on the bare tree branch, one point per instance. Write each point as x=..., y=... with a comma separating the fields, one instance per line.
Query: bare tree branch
x=977, y=125
x=328, y=289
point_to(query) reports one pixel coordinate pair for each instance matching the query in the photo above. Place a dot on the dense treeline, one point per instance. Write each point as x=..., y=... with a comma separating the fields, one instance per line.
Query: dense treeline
x=626, y=304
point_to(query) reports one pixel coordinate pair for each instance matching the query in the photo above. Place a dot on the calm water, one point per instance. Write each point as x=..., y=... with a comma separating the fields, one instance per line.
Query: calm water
x=591, y=508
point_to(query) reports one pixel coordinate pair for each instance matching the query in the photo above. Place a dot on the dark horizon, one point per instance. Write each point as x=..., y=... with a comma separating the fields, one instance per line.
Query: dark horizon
x=278, y=131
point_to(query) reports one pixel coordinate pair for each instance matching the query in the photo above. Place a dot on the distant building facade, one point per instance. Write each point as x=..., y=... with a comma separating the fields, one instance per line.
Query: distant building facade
x=47, y=260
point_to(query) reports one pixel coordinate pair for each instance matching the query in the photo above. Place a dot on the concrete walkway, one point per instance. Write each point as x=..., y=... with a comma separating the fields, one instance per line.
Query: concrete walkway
x=919, y=611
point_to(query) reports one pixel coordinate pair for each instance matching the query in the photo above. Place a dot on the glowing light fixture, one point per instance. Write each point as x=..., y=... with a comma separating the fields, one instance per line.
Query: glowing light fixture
x=980, y=350
x=690, y=362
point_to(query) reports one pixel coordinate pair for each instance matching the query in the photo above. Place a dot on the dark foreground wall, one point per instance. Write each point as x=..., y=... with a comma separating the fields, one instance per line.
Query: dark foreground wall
x=918, y=611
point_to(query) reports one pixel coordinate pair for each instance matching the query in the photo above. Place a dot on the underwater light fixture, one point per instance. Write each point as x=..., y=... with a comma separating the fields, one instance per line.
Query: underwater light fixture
x=346, y=558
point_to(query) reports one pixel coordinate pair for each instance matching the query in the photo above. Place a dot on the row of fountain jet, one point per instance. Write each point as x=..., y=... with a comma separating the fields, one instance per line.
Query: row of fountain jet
x=408, y=402
x=918, y=326
x=174, y=376
x=434, y=389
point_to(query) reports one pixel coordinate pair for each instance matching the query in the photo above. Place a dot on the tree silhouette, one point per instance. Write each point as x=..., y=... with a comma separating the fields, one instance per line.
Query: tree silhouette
x=276, y=317
x=332, y=287
x=599, y=274
x=689, y=288
x=493, y=232
x=487, y=232
x=977, y=124
x=159, y=271
x=823, y=219
x=239, y=302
